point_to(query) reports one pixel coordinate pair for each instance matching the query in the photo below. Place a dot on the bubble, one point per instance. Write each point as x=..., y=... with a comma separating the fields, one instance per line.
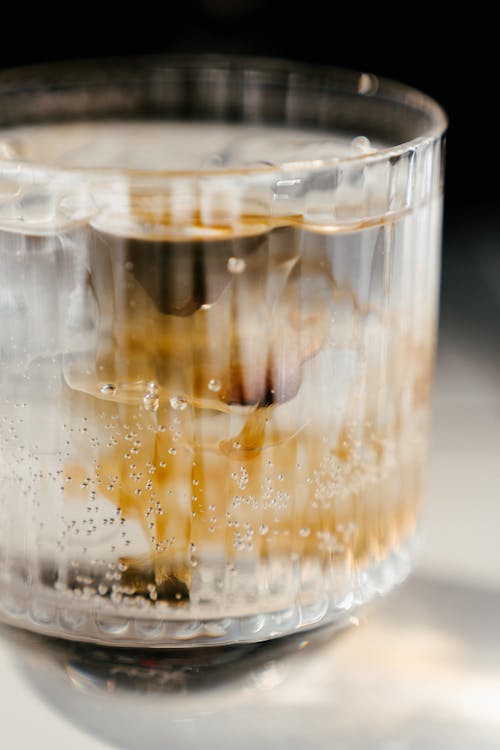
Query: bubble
x=263, y=529
x=178, y=402
x=151, y=402
x=304, y=532
x=361, y=142
x=214, y=385
x=367, y=84
x=236, y=265
x=108, y=389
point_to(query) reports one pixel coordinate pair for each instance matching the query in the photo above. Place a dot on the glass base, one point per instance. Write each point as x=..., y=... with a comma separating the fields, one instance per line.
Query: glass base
x=43, y=609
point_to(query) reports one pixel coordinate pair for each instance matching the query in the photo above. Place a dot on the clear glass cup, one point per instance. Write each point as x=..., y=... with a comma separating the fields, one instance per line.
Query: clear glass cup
x=218, y=291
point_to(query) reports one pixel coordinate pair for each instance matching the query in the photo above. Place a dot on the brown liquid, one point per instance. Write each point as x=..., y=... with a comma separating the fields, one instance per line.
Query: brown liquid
x=198, y=400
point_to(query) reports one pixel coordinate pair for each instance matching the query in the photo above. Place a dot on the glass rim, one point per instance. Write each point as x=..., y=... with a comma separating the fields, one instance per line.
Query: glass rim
x=70, y=74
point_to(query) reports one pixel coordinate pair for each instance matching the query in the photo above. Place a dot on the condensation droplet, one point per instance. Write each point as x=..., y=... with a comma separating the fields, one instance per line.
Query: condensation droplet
x=263, y=529
x=108, y=389
x=178, y=402
x=236, y=265
x=214, y=385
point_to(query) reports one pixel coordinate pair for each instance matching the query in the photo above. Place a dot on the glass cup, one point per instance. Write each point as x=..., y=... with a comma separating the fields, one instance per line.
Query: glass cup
x=218, y=291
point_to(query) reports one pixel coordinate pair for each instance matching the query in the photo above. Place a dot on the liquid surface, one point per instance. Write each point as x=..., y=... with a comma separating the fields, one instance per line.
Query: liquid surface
x=170, y=145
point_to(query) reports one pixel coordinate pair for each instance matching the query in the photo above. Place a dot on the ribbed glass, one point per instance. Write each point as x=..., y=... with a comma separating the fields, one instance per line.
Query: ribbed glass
x=218, y=295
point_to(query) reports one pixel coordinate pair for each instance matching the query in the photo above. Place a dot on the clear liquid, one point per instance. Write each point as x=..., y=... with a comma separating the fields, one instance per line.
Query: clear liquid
x=222, y=423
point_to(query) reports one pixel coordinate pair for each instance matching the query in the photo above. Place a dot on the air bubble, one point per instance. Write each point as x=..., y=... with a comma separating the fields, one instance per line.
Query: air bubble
x=263, y=529
x=151, y=402
x=304, y=532
x=362, y=143
x=236, y=265
x=108, y=389
x=367, y=84
x=178, y=402
x=214, y=385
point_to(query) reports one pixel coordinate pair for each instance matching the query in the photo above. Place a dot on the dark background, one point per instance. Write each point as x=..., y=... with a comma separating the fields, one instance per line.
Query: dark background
x=451, y=57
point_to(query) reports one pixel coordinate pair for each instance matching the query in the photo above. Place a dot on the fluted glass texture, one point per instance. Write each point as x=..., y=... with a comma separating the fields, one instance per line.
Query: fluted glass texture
x=218, y=294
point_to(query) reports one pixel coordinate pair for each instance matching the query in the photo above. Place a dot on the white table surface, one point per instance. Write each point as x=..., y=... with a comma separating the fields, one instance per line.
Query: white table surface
x=422, y=671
